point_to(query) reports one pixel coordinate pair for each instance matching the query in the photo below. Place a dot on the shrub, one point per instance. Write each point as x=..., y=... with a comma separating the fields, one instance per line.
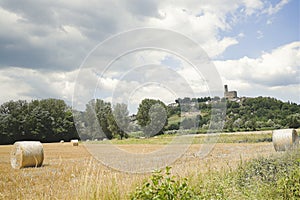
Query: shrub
x=271, y=178
x=289, y=184
x=173, y=126
x=268, y=170
x=164, y=187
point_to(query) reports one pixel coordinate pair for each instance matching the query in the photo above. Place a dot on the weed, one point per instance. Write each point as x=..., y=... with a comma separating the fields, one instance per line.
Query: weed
x=164, y=187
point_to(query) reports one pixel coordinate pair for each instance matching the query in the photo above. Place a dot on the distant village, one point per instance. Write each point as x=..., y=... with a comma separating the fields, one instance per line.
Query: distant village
x=228, y=95
x=193, y=102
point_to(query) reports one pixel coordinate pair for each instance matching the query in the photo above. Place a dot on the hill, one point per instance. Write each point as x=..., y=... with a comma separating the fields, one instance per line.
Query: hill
x=259, y=113
x=51, y=120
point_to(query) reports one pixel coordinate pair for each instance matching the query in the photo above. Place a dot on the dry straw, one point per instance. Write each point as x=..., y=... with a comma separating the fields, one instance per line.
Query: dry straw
x=285, y=139
x=74, y=142
x=27, y=154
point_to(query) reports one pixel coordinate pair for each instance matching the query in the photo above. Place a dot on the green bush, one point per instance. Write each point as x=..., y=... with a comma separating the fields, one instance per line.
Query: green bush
x=268, y=170
x=275, y=177
x=164, y=187
x=289, y=184
x=271, y=178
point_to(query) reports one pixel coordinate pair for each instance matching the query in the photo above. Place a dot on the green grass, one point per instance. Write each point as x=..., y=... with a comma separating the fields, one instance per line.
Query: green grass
x=237, y=138
x=276, y=177
x=198, y=139
x=174, y=119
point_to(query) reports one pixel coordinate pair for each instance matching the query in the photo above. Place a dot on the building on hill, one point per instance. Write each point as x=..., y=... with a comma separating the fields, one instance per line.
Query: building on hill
x=230, y=95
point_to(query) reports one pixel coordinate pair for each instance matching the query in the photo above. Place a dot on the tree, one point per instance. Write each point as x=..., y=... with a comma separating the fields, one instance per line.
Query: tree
x=96, y=117
x=152, y=116
x=172, y=110
x=229, y=124
x=188, y=123
x=118, y=121
x=192, y=122
x=91, y=128
x=103, y=111
x=47, y=120
x=39, y=124
x=294, y=121
x=250, y=125
x=13, y=117
x=61, y=118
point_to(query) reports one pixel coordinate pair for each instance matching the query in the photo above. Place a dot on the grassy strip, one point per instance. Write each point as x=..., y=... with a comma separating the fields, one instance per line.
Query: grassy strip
x=277, y=177
x=198, y=139
x=236, y=138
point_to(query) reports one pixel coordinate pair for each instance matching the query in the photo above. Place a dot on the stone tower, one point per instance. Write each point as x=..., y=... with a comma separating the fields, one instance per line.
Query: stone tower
x=226, y=88
x=229, y=94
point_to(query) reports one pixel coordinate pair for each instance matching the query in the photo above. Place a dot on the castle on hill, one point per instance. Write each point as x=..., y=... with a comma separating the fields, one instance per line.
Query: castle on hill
x=230, y=95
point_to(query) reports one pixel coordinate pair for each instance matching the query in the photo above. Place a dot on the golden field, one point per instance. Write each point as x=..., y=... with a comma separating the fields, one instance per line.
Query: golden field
x=71, y=172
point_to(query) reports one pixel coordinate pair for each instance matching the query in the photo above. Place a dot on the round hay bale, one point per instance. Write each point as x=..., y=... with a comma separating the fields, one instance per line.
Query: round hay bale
x=27, y=154
x=62, y=141
x=74, y=142
x=285, y=139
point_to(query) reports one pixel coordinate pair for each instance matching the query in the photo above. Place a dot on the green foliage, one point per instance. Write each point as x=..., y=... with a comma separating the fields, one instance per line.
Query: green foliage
x=238, y=138
x=173, y=110
x=276, y=177
x=192, y=122
x=152, y=116
x=51, y=120
x=215, y=185
x=261, y=113
x=47, y=120
x=164, y=187
x=95, y=118
x=289, y=184
x=119, y=121
x=103, y=112
x=294, y=120
x=271, y=178
x=174, y=126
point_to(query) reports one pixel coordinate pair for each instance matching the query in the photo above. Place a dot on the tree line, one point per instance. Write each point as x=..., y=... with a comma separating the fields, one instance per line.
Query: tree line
x=247, y=114
x=101, y=120
x=48, y=120
x=52, y=120
x=262, y=113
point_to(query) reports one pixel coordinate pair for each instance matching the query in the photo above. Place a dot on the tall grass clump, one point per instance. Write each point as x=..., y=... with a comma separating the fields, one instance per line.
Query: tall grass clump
x=277, y=177
x=162, y=185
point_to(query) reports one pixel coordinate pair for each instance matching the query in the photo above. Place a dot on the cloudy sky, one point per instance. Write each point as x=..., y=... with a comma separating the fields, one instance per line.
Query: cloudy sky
x=46, y=46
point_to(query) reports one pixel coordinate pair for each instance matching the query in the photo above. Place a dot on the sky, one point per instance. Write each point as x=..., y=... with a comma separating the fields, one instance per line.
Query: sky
x=76, y=51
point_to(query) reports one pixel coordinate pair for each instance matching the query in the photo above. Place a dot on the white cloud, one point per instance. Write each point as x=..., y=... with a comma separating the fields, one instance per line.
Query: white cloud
x=260, y=34
x=271, y=10
x=269, y=21
x=203, y=27
x=241, y=35
x=271, y=71
x=217, y=47
x=47, y=41
x=252, y=6
x=58, y=35
x=20, y=83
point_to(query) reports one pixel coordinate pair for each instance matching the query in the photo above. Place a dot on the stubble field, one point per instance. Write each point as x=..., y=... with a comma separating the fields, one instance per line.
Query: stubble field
x=72, y=173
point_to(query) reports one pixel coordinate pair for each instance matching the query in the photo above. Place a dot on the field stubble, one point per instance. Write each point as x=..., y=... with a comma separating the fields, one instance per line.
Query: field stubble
x=72, y=173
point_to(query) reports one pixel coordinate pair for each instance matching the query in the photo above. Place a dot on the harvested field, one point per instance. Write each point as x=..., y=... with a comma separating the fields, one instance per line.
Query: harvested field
x=72, y=173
